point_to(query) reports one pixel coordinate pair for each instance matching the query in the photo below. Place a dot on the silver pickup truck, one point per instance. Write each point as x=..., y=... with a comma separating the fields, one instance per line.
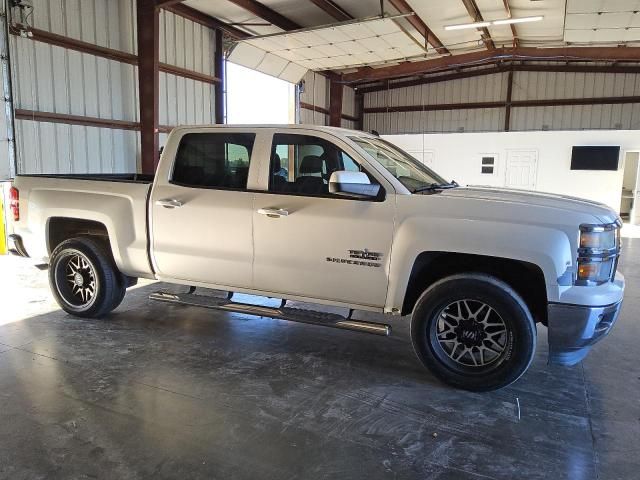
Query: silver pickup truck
x=335, y=217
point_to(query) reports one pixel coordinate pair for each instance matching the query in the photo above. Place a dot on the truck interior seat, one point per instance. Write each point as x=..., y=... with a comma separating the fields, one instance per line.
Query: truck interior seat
x=189, y=175
x=310, y=179
x=278, y=182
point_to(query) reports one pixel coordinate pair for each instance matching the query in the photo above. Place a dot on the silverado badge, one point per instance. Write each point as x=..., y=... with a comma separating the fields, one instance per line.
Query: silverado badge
x=364, y=258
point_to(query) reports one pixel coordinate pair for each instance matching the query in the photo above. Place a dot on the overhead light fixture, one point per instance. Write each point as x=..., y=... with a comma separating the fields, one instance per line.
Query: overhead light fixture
x=506, y=21
x=462, y=26
x=509, y=21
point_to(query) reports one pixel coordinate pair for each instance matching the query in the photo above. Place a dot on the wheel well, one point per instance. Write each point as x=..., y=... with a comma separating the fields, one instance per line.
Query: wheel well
x=525, y=278
x=62, y=228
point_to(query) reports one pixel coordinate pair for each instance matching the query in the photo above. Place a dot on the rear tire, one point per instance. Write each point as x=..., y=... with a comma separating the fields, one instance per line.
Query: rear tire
x=473, y=332
x=84, y=278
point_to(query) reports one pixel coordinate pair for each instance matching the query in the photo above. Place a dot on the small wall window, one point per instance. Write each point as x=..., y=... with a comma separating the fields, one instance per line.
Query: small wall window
x=488, y=165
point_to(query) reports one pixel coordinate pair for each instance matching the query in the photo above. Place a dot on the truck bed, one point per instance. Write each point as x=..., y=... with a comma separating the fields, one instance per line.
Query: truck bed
x=118, y=202
x=101, y=177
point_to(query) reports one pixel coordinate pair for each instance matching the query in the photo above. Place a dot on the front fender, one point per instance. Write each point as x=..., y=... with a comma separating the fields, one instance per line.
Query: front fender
x=547, y=247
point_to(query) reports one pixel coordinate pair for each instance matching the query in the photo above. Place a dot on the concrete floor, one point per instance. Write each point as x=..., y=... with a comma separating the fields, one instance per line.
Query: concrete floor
x=159, y=391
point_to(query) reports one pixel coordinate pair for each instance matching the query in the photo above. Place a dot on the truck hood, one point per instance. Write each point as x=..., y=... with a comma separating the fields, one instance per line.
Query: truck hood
x=550, y=200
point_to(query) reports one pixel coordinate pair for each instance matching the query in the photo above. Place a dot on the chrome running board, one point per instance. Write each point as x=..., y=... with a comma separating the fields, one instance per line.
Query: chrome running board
x=285, y=313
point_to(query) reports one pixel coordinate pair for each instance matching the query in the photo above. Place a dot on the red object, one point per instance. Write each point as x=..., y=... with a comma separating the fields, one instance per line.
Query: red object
x=14, y=203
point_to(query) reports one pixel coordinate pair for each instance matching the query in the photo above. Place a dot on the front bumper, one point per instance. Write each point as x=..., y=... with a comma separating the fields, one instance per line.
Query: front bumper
x=573, y=329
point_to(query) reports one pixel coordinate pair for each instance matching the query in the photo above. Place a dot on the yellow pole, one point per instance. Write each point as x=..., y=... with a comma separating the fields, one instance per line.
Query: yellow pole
x=3, y=235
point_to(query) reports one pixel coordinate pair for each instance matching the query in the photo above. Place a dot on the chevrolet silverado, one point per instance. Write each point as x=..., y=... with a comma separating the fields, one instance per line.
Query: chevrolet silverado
x=335, y=217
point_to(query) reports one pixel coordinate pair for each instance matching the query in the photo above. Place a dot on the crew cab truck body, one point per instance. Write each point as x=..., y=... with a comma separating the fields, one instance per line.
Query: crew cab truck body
x=337, y=217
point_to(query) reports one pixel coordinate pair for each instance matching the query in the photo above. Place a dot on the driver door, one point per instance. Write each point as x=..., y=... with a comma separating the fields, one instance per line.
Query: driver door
x=320, y=245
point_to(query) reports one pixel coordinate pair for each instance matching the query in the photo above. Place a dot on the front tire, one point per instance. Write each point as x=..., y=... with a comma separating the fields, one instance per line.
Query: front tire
x=84, y=278
x=473, y=332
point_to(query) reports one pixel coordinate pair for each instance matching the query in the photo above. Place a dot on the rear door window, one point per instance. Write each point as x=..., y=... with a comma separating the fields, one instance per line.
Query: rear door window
x=214, y=160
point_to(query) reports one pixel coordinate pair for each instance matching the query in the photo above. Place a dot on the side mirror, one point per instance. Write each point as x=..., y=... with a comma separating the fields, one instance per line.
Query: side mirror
x=352, y=184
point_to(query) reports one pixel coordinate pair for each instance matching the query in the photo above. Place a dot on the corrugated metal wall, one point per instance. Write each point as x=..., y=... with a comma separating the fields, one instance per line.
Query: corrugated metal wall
x=557, y=85
x=316, y=93
x=189, y=45
x=493, y=88
x=348, y=107
x=49, y=78
x=486, y=88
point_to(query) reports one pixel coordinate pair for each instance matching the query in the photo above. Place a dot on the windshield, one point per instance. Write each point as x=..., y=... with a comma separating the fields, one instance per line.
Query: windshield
x=410, y=172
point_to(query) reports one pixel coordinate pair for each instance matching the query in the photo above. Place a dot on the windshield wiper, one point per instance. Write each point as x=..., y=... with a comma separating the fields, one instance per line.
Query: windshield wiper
x=432, y=187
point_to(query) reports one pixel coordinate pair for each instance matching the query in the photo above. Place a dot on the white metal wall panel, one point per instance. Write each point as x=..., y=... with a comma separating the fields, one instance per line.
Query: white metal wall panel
x=186, y=44
x=554, y=85
x=184, y=101
x=559, y=85
x=316, y=92
x=53, y=79
x=310, y=117
x=107, y=23
x=349, y=101
x=492, y=88
x=577, y=117
x=487, y=88
x=348, y=124
x=57, y=148
x=473, y=120
x=49, y=78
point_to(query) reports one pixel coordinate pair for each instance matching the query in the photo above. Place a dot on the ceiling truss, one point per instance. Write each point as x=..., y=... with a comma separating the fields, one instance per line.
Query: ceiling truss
x=476, y=16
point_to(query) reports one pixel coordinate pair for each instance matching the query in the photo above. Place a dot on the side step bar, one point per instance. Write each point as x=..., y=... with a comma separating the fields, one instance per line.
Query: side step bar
x=285, y=313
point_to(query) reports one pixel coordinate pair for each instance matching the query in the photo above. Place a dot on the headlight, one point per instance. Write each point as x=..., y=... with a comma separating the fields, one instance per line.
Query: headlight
x=598, y=239
x=597, y=254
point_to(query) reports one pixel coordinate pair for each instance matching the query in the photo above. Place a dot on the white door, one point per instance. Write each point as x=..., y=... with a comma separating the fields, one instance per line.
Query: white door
x=320, y=245
x=202, y=216
x=522, y=168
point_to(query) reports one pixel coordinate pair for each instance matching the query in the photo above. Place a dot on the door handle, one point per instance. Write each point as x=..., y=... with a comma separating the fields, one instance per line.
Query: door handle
x=273, y=212
x=169, y=203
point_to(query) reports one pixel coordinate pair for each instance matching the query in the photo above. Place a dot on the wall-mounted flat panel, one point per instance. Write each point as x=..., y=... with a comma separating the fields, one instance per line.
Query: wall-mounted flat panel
x=58, y=148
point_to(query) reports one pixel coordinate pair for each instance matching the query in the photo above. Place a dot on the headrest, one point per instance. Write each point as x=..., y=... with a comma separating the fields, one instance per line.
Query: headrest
x=311, y=164
x=276, y=164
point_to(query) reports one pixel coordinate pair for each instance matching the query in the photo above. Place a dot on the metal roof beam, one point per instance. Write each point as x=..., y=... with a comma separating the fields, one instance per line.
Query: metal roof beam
x=559, y=54
x=332, y=9
x=416, y=22
x=206, y=20
x=476, y=16
x=264, y=12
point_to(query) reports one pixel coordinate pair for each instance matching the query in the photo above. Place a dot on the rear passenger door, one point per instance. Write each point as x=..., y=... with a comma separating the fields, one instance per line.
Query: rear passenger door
x=201, y=209
x=321, y=245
